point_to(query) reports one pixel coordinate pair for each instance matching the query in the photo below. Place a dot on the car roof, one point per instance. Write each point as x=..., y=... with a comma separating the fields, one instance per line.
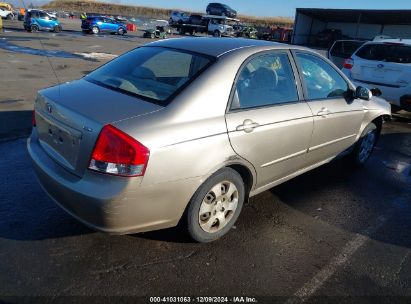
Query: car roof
x=391, y=41
x=213, y=46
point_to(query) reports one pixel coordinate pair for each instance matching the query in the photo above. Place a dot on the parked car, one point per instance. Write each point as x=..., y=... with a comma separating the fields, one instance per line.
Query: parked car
x=386, y=65
x=178, y=17
x=221, y=27
x=220, y=9
x=6, y=14
x=245, y=31
x=192, y=129
x=158, y=30
x=97, y=24
x=343, y=49
x=36, y=20
x=328, y=36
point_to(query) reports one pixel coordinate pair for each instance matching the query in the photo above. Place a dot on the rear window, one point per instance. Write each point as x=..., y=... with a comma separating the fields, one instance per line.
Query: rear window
x=386, y=52
x=344, y=49
x=152, y=73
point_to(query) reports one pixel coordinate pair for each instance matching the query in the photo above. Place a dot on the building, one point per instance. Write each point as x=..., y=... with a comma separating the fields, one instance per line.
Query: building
x=354, y=23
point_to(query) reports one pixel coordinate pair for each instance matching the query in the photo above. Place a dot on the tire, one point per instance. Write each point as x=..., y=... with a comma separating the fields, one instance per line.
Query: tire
x=95, y=30
x=57, y=29
x=10, y=17
x=152, y=36
x=165, y=36
x=120, y=31
x=217, y=33
x=212, y=195
x=365, y=145
x=34, y=28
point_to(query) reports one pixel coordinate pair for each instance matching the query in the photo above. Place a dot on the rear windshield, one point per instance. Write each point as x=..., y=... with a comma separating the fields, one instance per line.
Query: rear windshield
x=386, y=52
x=152, y=73
x=344, y=49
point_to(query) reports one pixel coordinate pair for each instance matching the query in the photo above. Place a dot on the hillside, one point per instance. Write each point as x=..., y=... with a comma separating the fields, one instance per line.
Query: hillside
x=92, y=6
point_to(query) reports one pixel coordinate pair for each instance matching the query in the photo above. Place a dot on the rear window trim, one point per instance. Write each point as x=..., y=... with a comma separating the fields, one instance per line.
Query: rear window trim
x=165, y=102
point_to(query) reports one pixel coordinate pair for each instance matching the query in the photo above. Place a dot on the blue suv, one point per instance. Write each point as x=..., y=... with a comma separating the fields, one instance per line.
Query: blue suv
x=96, y=25
x=35, y=20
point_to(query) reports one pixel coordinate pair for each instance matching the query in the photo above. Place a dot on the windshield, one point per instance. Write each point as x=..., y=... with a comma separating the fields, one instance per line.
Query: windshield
x=154, y=73
x=386, y=52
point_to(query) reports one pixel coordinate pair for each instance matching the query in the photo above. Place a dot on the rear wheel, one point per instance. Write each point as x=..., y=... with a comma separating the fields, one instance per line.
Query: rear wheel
x=95, y=30
x=120, y=31
x=217, y=33
x=365, y=145
x=152, y=36
x=57, y=29
x=215, y=206
x=34, y=28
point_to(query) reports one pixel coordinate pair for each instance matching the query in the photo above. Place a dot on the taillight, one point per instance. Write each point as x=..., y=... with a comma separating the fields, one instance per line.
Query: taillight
x=118, y=153
x=348, y=63
x=33, y=118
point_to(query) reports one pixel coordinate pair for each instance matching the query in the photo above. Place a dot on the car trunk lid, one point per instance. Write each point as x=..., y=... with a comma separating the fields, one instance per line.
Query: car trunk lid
x=70, y=117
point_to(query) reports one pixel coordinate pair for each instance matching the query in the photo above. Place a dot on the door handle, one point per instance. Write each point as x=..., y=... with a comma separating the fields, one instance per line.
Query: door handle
x=247, y=126
x=323, y=112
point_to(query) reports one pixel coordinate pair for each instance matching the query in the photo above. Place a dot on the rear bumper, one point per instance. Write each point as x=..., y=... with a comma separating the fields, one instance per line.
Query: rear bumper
x=115, y=205
x=390, y=94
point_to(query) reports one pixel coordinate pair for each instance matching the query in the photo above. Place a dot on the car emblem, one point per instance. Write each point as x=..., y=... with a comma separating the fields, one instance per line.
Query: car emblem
x=49, y=108
x=380, y=66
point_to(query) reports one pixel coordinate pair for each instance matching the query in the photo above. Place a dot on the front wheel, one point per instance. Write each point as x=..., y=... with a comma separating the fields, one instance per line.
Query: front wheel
x=215, y=206
x=365, y=145
x=217, y=33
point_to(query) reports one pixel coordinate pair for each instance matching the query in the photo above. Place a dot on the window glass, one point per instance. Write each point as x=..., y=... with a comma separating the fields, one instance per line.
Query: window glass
x=320, y=78
x=265, y=80
x=386, y=52
x=152, y=72
x=344, y=49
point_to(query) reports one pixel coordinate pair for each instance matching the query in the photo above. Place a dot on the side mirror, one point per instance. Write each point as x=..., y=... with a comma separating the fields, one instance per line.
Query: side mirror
x=376, y=92
x=363, y=93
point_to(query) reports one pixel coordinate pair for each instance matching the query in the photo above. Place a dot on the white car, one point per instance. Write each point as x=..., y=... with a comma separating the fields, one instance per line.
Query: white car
x=220, y=26
x=178, y=17
x=386, y=65
x=6, y=14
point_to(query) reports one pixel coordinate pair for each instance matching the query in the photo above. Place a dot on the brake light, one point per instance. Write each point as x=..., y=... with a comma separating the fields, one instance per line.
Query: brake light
x=348, y=63
x=118, y=153
x=33, y=118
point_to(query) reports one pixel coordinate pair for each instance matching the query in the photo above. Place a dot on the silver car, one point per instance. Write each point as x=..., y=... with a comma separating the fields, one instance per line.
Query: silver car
x=185, y=130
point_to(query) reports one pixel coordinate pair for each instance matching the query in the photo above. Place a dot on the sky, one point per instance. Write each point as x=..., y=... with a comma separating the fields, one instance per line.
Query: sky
x=272, y=7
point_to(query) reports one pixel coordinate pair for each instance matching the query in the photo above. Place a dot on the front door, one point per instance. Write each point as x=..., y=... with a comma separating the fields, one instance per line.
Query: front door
x=337, y=116
x=268, y=123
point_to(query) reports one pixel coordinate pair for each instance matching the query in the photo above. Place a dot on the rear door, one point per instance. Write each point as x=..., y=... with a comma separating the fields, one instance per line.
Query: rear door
x=383, y=64
x=44, y=20
x=337, y=118
x=268, y=123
